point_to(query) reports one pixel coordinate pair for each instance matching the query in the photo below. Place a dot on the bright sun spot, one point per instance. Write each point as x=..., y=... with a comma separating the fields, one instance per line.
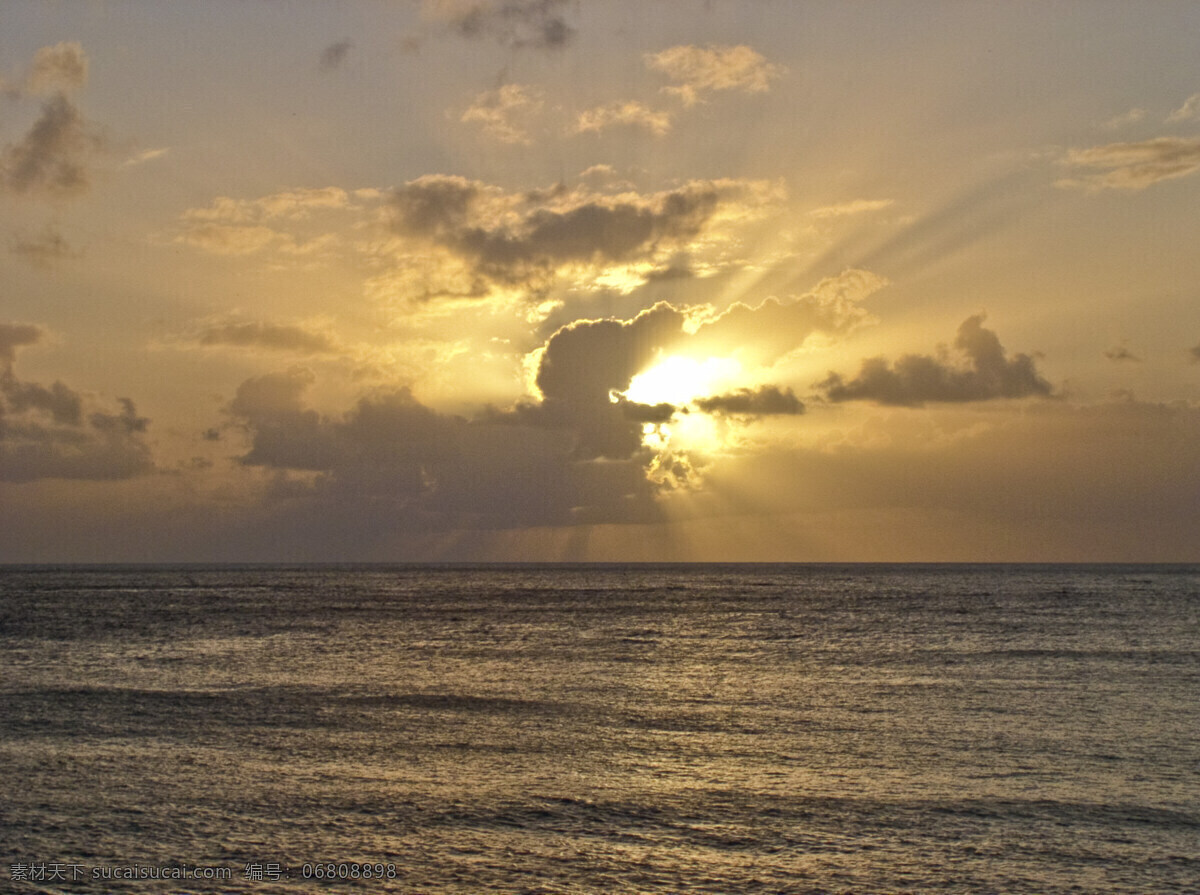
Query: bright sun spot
x=680, y=380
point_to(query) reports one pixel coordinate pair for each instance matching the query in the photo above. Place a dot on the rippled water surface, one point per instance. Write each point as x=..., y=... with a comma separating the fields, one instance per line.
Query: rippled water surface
x=720, y=729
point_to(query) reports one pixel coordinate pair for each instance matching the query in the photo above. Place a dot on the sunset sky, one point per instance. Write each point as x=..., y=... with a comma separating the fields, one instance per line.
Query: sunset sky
x=566, y=280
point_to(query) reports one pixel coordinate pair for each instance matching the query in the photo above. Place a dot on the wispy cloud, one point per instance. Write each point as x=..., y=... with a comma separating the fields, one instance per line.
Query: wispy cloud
x=1134, y=166
x=855, y=206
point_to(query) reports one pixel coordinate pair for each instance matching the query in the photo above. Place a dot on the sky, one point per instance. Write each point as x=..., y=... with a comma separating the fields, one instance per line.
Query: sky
x=554, y=280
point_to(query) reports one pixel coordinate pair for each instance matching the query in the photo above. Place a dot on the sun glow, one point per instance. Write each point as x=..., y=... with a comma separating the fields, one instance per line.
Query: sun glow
x=680, y=380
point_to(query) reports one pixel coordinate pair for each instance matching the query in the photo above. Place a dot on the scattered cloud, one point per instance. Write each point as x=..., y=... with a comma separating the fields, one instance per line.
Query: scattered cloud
x=63, y=66
x=1189, y=110
x=915, y=379
x=700, y=70
x=511, y=23
x=54, y=158
x=630, y=113
x=504, y=112
x=43, y=249
x=1134, y=166
x=335, y=55
x=766, y=400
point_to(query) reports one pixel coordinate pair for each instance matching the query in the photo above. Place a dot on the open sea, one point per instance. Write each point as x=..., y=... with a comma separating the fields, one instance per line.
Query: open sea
x=600, y=729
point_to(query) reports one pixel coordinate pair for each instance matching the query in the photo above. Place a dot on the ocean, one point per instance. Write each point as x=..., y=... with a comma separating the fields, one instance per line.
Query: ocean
x=600, y=729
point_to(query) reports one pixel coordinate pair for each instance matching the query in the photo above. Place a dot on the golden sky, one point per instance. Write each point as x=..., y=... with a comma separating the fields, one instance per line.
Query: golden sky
x=556, y=280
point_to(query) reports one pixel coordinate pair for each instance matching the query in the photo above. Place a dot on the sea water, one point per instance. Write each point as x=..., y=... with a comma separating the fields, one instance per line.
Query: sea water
x=600, y=729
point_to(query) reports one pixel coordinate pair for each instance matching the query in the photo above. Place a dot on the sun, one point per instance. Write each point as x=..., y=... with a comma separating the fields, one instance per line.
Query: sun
x=679, y=380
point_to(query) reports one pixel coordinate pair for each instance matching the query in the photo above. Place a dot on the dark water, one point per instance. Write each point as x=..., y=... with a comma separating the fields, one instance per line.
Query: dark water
x=721, y=729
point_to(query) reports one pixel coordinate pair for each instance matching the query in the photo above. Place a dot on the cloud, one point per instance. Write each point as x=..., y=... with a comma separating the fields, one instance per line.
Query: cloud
x=698, y=70
x=271, y=336
x=766, y=400
x=1195, y=354
x=1189, y=110
x=478, y=238
x=334, y=55
x=1134, y=166
x=45, y=432
x=43, y=249
x=63, y=66
x=502, y=112
x=915, y=379
x=623, y=114
x=511, y=23
x=1120, y=354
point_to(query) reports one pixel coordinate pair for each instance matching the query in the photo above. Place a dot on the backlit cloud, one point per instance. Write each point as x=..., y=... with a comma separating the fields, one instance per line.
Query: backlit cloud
x=504, y=113
x=915, y=379
x=482, y=237
x=700, y=70
x=1134, y=166
x=623, y=114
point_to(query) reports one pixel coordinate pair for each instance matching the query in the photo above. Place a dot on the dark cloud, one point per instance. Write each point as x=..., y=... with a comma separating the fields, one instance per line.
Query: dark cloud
x=512, y=23
x=916, y=378
x=767, y=400
x=334, y=55
x=53, y=159
x=409, y=467
x=1195, y=354
x=272, y=336
x=43, y=249
x=44, y=432
x=526, y=240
